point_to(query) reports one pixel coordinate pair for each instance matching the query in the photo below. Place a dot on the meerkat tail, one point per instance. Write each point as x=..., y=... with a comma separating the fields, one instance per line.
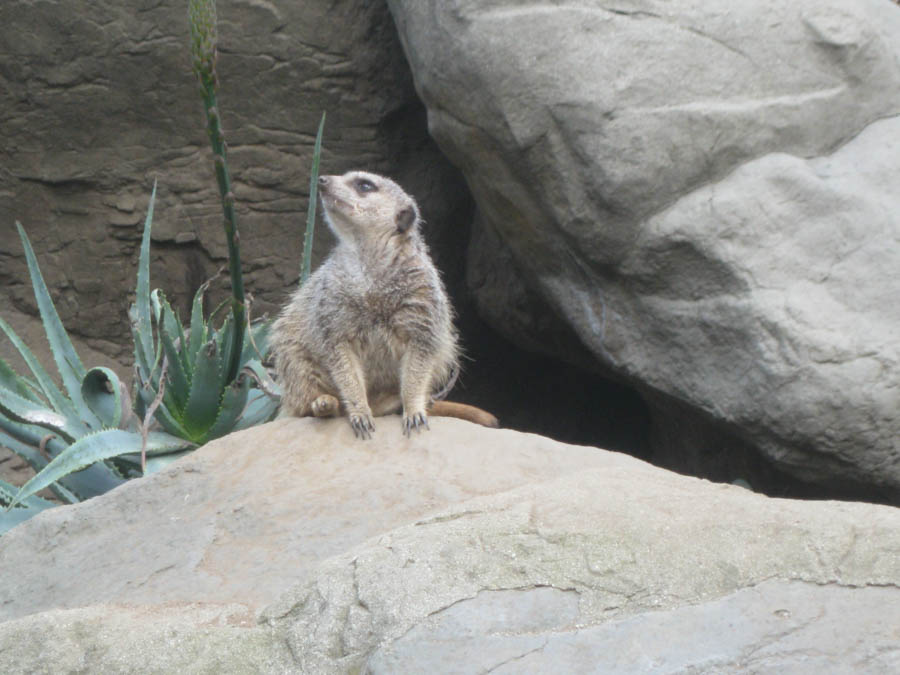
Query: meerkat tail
x=464, y=412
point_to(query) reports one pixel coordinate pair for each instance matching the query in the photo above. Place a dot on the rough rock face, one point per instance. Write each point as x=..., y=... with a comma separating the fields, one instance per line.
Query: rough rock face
x=97, y=100
x=293, y=547
x=705, y=192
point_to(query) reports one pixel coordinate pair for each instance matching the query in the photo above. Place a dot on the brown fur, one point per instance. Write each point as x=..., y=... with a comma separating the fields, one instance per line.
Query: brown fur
x=370, y=332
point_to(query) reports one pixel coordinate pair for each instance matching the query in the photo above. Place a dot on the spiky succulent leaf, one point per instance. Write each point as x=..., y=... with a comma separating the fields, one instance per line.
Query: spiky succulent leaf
x=17, y=384
x=260, y=408
x=157, y=464
x=198, y=326
x=256, y=346
x=54, y=396
x=91, y=449
x=31, y=507
x=202, y=407
x=170, y=422
x=178, y=384
x=37, y=462
x=170, y=325
x=106, y=396
x=68, y=363
x=226, y=337
x=234, y=400
x=25, y=451
x=94, y=480
x=142, y=327
x=32, y=435
x=19, y=409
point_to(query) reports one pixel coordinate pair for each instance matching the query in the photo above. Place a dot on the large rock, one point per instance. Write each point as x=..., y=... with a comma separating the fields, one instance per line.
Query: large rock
x=293, y=547
x=704, y=192
x=98, y=100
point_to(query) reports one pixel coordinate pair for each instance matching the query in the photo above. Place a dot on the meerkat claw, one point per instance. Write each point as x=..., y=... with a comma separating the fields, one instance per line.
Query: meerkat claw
x=362, y=426
x=418, y=421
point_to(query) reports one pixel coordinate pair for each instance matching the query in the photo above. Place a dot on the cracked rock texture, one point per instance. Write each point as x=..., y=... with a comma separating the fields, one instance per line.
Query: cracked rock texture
x=704, y=192
x=97, y=99
x=296, y=548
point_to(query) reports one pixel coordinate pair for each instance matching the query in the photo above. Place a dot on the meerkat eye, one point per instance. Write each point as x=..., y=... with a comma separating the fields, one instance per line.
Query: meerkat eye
x=364, y=185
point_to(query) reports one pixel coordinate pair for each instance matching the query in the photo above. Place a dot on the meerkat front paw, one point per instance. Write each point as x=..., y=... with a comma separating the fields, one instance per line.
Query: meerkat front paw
x=325, y=405
x=416, y=421
x=362, y=424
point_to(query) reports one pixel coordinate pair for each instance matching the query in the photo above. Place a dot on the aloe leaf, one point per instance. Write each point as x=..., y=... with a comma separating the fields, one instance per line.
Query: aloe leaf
x=157, y=464
x=37, y=462
x=92, y=481
x=171, y=325
x=178, y=385
x=32, y=435
x=311, y=211
x=198, y=326
x=260, y=408
x=31, y=507
x=226, y=341
x=234, y=401
x=89, y=450
x=67, y=362
x=54, y=396
x=202, y=407
x=257, y=344
x=261, y=376
x=102, y=391
x=170, y=422
x=142, y=359
x=143, y=330
x=26, y=411
x=96, y=479
x=10, y=379
x=25, y=451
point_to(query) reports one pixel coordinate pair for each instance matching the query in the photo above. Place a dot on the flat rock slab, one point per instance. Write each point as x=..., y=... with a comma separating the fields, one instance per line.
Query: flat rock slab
x=251, y=513
x=777, y=626
x=296, y=548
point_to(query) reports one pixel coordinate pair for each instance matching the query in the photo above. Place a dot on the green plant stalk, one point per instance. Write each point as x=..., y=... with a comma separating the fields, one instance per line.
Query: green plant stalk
x=311, y=211
x=203, y=46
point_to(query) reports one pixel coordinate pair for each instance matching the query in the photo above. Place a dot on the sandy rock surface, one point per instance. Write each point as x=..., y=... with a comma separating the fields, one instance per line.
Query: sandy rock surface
x=298, y=548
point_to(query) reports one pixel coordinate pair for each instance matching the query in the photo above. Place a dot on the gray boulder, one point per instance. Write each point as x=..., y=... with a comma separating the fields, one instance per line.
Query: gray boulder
x=293, y=547
x=704, y=193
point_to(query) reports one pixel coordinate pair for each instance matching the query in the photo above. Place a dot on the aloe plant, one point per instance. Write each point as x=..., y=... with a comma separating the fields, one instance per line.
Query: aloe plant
x=70, y=435
x=184, y=371
x=197, y=382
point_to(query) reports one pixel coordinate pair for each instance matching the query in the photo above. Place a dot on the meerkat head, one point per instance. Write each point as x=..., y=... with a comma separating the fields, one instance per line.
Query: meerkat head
x=362, y=205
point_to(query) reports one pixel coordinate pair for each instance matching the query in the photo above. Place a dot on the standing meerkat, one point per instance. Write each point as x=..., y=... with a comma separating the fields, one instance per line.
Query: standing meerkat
x=371, y=331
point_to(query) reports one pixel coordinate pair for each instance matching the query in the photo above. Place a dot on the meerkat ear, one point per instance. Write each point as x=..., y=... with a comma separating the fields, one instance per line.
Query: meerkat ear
x=406, y=218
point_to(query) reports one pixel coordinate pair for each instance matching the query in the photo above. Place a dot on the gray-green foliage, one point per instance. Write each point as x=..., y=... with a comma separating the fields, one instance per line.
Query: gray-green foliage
x=196, y=400
x=69, y=435
x=192, y=384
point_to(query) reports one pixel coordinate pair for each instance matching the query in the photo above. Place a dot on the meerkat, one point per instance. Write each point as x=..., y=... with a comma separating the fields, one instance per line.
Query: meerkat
x=370, y=333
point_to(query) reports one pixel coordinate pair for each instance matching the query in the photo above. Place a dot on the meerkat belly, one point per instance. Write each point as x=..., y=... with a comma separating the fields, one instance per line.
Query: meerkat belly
x=380, y=362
